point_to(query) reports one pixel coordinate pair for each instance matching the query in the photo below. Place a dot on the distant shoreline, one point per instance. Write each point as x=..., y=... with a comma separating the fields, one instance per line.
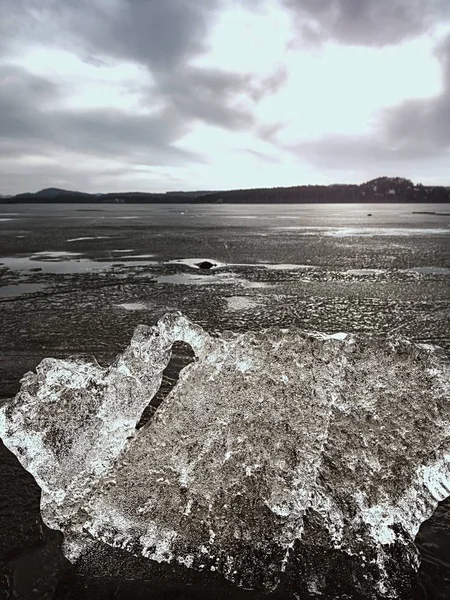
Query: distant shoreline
x=383, y=190
x=228, y=202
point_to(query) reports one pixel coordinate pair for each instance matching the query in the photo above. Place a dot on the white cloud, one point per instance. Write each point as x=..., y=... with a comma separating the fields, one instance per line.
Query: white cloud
x=340, y=89
x=120, y=94
x=91, y=85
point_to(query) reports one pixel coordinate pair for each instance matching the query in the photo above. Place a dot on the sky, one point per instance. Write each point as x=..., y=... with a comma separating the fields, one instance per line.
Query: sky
x=158, y=95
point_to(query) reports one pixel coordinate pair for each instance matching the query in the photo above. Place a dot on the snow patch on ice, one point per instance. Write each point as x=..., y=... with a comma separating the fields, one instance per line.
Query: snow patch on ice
x=237, y=303
x=95, y=237
x=132, y=306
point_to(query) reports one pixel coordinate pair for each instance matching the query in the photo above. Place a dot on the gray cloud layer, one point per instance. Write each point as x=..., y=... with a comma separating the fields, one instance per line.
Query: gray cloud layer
x=29, y=122
x=424, y=125
x=162, y=36
x=165, y=38
x=414, y=135
x=414, y=132
x=365, y=22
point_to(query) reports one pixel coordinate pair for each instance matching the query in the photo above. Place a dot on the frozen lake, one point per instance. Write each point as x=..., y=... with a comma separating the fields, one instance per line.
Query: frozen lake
x=77, y=279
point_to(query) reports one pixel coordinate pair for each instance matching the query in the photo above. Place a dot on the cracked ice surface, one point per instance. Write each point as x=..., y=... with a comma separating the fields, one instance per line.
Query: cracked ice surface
x=276, y=452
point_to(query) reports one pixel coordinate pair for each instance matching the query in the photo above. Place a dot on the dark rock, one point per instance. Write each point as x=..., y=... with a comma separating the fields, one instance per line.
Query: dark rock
x=205, y=264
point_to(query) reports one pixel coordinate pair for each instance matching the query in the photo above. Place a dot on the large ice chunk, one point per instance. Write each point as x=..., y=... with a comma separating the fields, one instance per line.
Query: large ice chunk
x=280, y=458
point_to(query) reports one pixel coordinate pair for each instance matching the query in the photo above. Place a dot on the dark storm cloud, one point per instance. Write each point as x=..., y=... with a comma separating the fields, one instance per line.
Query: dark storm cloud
x=365, y=22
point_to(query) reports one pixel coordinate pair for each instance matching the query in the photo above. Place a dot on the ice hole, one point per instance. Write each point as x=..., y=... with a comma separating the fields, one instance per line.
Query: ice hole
x=433, y=543
x=182, y=355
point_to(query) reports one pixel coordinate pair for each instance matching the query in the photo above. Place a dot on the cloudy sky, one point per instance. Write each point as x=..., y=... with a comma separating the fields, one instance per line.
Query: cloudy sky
x=155, y=95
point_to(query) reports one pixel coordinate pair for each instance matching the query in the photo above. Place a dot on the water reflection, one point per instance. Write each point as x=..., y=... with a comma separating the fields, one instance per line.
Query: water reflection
x=53, y=262
x=18, y=289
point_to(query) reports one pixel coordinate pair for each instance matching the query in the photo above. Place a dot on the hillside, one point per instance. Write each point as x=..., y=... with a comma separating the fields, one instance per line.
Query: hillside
x=379, y=190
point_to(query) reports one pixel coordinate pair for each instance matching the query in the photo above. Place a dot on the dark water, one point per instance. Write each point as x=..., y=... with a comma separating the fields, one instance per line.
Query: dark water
x=77, y=280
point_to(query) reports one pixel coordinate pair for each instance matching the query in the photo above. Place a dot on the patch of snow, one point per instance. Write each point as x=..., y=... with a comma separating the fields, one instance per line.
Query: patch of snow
x=236, y=303
x=364, y=272
x=431, y=270
x=95, y=237
x=132, y=306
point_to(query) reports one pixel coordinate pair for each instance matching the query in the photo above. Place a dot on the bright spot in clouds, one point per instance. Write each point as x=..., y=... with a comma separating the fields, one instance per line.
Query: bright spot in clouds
x=238, y=96
x=110, y=84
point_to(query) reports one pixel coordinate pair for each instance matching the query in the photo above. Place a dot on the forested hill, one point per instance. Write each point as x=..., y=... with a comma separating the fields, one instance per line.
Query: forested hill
x=382, y=189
